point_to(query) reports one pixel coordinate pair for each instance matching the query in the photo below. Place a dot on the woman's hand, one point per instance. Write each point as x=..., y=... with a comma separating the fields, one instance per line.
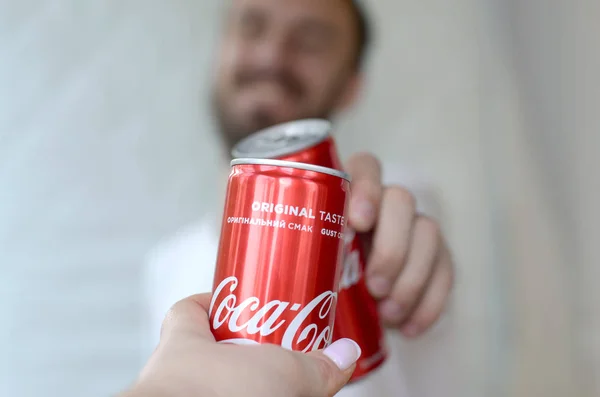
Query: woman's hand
x=189, y=363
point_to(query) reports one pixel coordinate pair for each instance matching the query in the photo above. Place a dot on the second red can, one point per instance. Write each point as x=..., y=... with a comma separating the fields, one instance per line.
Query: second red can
x=309, y=141
x=280, y=255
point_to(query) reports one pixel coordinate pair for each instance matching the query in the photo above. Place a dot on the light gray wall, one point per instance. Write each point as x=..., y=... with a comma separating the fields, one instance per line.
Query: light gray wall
x=100, y=141
x=555, y=58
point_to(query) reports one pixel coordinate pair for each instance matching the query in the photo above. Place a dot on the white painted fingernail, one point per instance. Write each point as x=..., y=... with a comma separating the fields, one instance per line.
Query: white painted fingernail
x=343, y=352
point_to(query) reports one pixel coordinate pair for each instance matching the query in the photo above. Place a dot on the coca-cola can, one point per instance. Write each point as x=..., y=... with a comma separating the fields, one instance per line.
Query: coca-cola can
x=357, y=316
x=280, y=255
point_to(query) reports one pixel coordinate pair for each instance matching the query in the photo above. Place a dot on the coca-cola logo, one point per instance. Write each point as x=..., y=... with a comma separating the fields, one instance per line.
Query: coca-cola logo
x=351, y=269
x=252, y=317
x=351, y=272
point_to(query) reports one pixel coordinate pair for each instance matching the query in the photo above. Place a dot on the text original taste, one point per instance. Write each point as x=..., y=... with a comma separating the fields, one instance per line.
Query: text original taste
x=301, y=212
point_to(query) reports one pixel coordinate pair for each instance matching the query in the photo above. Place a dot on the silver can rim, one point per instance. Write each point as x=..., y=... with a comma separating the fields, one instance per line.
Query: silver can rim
x=292, y=164
x=243, y=149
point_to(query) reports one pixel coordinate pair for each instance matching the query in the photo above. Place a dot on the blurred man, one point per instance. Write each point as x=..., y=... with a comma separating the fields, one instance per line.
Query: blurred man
x=281, y=61
x=285, y=60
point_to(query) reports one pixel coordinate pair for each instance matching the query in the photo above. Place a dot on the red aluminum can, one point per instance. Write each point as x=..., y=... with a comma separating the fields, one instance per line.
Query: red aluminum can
x=280, y=255
x=357, y=316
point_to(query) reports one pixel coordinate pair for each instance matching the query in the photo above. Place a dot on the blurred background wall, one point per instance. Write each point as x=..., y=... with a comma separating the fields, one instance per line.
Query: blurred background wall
x=106, y=147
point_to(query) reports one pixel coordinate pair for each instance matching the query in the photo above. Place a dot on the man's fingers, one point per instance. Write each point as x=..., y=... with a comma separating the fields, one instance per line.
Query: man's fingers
x=412, y=282
x=434, y=300
x=391, y=240
x=366, y=191
x=329, y=370
x=188, y=316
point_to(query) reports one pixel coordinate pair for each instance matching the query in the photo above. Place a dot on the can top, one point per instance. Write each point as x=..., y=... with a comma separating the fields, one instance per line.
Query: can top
x=283, y=139
x=292, y=164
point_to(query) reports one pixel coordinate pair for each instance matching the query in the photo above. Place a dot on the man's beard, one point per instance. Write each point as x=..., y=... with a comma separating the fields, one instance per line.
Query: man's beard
x=232, y=130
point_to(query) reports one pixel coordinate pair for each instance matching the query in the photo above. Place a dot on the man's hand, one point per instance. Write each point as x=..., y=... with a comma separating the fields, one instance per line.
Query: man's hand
x=409, y=267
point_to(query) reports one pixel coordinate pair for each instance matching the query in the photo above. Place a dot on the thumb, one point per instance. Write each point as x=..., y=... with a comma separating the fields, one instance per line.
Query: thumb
x=188, y=317
x=332, y=367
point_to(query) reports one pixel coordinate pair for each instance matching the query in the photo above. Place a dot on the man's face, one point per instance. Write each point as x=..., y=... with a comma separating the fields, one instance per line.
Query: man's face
x=283, y=60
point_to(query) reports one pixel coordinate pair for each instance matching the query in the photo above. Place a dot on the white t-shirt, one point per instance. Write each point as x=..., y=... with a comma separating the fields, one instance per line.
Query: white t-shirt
x=184, y=265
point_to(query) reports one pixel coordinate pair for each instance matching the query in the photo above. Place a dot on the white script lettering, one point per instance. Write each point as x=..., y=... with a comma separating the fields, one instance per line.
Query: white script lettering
x=297, y=336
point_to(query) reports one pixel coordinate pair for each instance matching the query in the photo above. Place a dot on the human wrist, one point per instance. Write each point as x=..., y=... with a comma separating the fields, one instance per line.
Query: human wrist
x=149, y=389
x=146, y=390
